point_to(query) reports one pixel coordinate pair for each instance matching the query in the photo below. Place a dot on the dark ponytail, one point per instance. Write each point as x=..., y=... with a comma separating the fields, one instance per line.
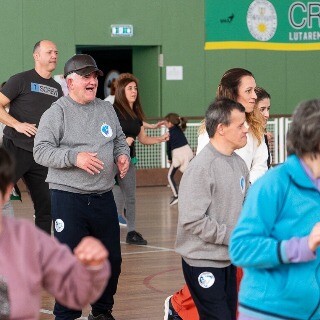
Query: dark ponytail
x=176, y=120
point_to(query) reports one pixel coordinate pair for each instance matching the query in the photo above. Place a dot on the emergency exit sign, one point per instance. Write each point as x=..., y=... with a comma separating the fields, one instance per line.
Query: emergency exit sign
x=121, y=30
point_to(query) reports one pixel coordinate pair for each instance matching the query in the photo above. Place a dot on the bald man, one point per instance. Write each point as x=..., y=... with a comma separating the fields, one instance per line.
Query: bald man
x=30, y=94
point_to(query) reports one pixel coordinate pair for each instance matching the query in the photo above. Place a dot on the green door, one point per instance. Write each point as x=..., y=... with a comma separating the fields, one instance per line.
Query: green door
x=145, y=68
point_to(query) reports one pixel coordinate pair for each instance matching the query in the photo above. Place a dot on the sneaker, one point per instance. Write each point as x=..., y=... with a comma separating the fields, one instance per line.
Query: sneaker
x=15, y=194
x=134, y=237
x=174, y=200
x=122, y=220
x=169, y=312
x=105, y=316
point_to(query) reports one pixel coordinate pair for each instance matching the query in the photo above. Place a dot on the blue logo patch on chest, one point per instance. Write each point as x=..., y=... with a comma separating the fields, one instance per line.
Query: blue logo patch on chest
x=106, y=130
x=242, y=184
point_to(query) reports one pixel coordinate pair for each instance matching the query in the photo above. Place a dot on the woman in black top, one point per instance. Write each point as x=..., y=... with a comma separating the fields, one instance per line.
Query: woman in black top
x=128, y=108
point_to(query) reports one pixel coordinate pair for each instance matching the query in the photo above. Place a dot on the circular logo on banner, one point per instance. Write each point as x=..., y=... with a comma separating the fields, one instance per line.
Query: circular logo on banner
x=106, y=130
x=206, y=279
x=59, y=225
x=262, y=20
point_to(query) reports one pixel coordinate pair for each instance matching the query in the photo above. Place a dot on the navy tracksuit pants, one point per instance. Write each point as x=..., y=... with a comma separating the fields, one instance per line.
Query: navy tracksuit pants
x=78, y=215
x=213, y=290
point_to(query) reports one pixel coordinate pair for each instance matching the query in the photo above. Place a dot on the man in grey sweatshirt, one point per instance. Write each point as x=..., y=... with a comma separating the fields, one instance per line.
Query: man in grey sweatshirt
x=80, y=139
x=211, y=194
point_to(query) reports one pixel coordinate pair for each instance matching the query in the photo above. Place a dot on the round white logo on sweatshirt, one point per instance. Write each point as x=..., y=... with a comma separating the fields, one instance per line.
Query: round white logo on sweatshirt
x=106, y=130
x=59, y=225
x=206, y=279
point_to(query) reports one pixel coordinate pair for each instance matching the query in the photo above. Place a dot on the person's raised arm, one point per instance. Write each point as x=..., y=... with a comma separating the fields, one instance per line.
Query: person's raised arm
x=145, y=139
x=154, y=125
x=74, y=280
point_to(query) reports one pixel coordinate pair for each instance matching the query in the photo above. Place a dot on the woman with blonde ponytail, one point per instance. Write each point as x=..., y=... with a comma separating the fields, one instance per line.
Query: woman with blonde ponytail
x=239, y=85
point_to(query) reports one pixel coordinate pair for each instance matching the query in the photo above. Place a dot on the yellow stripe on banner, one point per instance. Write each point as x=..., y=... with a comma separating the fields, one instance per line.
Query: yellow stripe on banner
x=222, y=45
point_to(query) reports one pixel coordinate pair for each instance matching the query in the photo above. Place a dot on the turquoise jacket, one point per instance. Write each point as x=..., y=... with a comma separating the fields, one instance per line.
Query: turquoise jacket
x=283, y=204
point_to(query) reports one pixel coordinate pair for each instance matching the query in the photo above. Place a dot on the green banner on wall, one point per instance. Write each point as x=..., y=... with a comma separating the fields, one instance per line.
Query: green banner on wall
x=261, y=24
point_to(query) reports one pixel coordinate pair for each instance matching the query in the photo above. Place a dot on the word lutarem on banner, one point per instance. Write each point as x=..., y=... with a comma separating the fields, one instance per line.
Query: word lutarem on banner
x=260, y=24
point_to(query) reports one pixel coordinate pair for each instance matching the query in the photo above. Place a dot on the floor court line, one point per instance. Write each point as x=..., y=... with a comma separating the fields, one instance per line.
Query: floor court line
x=150, y=247
x=51, y=312
x=141, y=252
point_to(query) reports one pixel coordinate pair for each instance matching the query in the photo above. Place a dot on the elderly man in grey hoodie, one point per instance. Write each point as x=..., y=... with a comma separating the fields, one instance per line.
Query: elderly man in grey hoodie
x=80, y=140
x=211, y=194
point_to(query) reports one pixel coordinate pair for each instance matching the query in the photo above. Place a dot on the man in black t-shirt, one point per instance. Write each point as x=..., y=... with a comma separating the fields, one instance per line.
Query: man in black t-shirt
x=30, y=94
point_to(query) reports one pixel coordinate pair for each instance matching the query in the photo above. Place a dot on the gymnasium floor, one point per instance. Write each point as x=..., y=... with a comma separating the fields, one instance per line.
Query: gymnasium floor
x=149, y=273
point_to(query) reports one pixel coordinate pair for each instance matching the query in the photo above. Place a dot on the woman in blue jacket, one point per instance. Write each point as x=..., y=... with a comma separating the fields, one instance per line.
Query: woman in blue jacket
x=277, y=237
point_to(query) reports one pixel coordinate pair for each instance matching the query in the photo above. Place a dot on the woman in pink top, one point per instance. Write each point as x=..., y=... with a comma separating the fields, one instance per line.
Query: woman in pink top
x=30, y=261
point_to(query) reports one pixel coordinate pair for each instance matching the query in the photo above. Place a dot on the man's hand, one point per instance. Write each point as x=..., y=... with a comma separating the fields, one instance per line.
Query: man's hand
x=29, y=129
x=314, y=237
x=123, y=165
x=89, y=162
x=91, y=252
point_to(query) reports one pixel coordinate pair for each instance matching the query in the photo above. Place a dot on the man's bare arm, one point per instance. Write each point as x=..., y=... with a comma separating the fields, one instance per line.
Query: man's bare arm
x=28, y=129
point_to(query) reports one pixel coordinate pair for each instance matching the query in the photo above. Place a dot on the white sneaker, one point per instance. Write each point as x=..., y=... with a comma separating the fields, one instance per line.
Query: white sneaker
x=166, y=308
x=173, y=201
x=169, y=312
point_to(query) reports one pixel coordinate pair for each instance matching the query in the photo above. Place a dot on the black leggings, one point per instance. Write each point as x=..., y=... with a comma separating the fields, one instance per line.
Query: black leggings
x=172, y=183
